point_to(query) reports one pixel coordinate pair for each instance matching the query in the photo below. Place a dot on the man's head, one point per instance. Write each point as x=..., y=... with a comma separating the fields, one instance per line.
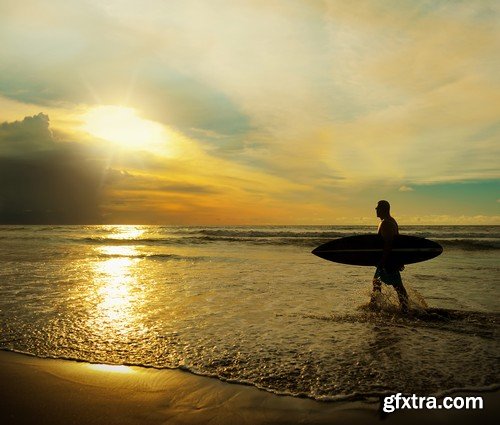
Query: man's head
x=383, y=209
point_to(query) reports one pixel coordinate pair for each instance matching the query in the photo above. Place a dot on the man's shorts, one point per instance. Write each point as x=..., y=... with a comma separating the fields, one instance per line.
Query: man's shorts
x=388, y=276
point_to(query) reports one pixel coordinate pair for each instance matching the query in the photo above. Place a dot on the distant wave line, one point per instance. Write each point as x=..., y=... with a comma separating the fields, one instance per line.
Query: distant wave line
x=156, y=256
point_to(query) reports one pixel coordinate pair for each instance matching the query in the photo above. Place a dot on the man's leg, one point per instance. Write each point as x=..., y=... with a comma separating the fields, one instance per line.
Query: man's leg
x=403, y=297
x=377, y=289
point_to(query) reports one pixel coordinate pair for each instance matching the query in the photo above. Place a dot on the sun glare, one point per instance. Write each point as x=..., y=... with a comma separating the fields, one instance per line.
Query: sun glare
x=122, y=126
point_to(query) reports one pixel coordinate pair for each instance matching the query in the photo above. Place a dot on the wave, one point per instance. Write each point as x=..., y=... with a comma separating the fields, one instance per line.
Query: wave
x=458, y=238
x=204, y=239
x=156, y=256
x=461, y=322
x=470, y=244
x=311, y=240
x=98, y=240
x=251, y=233
x=370, y=396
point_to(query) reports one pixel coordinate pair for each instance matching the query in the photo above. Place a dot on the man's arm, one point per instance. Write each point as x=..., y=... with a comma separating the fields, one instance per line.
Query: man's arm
x=388, y=233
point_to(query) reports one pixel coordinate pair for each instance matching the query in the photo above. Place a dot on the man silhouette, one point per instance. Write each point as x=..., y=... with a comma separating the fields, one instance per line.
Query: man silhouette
x=388, y=272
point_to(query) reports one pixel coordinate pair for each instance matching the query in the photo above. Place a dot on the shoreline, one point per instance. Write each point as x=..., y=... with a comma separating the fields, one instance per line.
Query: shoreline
x=52, y=391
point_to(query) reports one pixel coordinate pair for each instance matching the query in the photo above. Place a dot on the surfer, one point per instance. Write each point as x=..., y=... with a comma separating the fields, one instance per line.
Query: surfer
x=388, y=272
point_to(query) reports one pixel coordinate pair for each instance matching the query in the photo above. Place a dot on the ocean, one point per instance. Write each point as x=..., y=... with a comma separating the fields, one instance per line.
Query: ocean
x=252, y=305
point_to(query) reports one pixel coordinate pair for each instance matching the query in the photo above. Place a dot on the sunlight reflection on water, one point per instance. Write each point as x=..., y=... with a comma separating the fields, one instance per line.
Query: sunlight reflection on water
x=116, y=293
x=125, y=232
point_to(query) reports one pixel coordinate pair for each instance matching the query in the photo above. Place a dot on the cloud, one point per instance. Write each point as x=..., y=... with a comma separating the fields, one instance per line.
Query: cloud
x=25, y=137
x=362, y=89
x=43, y=181
x=446, y=219
x=125, y=180
x=406, y=189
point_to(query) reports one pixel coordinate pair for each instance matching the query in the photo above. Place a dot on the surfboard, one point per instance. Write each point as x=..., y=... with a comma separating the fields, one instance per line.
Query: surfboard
x=366, y=250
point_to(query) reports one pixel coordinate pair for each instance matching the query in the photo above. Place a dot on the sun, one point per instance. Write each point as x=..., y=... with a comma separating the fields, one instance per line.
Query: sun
x=122, y=126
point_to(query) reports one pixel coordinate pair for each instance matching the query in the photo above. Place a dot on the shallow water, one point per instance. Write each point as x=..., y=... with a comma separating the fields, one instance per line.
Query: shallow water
x=253, y=305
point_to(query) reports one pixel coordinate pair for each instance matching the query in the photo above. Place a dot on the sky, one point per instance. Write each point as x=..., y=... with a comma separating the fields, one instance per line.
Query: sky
x=224, y=112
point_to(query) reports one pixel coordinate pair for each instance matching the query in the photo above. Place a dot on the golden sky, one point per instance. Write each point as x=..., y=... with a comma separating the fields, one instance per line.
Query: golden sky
x=249, y=112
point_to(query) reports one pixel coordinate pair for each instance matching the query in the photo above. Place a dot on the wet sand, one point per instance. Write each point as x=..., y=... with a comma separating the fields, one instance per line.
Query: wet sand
x=43, y=391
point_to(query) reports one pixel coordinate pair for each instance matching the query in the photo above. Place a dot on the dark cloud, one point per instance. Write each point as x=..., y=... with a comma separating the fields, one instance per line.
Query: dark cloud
x=30, y=135
x=43, y=181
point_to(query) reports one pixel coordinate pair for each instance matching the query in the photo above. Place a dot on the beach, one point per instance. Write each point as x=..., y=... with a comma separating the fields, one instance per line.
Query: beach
x=48, y=391
x=238, y=325
x=64, y=392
